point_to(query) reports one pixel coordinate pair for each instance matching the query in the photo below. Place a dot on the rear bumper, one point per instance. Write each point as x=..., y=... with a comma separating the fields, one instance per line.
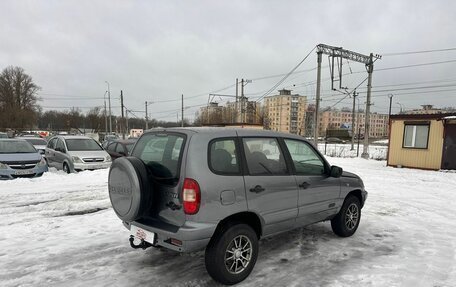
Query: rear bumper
x=194, y=236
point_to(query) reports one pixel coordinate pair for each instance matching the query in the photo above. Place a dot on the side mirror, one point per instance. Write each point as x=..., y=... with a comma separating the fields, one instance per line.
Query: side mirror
x=336, y=171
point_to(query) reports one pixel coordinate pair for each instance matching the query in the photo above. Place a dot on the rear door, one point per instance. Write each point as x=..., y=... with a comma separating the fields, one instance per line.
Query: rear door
x=449, y=147
x=59, y=153
x=50, y=152
x=162, y=153
x=270, y=188
x=318, y=193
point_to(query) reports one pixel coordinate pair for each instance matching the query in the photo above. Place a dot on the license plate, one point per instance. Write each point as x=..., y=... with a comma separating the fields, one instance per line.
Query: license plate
x=23, y=172
x=140, y=233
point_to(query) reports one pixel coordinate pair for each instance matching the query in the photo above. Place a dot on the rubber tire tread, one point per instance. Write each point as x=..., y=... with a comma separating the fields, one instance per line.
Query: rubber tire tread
x=215, y=252
x=338, y=222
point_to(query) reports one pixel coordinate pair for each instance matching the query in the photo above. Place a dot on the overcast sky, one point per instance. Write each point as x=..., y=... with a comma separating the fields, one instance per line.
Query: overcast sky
x=158, y=50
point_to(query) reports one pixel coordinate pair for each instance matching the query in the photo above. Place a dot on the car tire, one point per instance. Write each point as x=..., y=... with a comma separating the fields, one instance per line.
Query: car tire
x=346, y=222
x=66, y=168
x=130, y=190
x=236, y=244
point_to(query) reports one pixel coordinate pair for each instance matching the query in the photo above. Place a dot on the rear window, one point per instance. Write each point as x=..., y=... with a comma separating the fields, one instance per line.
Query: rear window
x=82, y=145
x=161, y=153
x=16, y=147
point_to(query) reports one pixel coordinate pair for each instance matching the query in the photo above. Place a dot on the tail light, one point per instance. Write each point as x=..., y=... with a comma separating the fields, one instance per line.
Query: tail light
x=191, y=196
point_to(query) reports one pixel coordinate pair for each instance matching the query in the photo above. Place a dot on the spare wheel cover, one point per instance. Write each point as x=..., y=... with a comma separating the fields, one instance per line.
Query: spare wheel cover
x=128, y=186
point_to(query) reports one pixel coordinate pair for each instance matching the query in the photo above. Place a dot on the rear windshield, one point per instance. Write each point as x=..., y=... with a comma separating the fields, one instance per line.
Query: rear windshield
x=82, y=145
x=161, y=153
x=37, y=141
x=16, y=147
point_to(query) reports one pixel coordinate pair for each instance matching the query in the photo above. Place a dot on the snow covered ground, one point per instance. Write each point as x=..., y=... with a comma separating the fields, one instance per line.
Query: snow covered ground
x=59, y=230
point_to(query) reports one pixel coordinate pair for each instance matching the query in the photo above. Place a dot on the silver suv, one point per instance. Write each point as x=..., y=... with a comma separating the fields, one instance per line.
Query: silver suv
x=221, y=189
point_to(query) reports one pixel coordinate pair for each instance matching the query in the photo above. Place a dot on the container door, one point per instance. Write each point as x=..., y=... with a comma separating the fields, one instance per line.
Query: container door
x=449, y=147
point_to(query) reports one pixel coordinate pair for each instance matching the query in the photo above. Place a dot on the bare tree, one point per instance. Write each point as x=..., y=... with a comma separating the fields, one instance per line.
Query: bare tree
x=18, y=99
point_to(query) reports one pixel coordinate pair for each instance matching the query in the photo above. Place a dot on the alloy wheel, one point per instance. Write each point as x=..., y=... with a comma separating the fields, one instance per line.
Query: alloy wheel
x=351, y=216
x=238, y=254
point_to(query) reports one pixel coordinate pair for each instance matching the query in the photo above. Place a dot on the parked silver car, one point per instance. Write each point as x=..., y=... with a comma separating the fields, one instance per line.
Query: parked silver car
x=221, y=189
x=19, y=158
x=38, y=143
x=76, y=153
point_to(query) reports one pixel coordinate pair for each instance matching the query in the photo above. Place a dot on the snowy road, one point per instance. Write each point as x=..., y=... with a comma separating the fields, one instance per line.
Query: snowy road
x=59, y=230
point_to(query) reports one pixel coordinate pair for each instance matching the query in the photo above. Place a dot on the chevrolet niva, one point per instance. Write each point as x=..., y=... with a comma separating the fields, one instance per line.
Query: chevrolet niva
x=223, y=189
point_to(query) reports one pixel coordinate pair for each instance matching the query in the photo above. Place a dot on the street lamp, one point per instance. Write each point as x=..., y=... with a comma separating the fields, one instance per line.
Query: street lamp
x=109, y=100
x=105, y=114
x=390, y=96
x=400, y=106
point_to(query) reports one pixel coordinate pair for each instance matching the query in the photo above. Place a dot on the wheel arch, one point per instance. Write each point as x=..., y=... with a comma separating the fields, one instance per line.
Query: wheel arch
x=247, y=217
x=358, y=194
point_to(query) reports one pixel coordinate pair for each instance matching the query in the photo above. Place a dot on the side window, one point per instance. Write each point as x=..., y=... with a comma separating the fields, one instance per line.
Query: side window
x=222, y=157
x=51, y=143
x=60, y=144
x=306, y=161
x=264, y=156
x=416, y=136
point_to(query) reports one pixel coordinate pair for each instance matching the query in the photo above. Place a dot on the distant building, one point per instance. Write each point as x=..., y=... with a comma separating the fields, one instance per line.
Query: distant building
x=242, y=112
x=336, y=119
x=427, y=109
x=286, y=112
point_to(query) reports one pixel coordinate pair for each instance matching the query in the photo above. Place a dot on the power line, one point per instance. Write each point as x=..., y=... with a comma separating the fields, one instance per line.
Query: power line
x=418, y=52
x=286, y=76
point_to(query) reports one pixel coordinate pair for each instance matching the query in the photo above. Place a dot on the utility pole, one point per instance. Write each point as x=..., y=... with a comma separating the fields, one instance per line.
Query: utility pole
x=353, y=121
x=242, y=101
x=105, y=114
x=109, y=100
x=390, y=96
x=317, y=100
x=147, y=117
x=236, y=113
x=122, y=122
x=182, y=124
x=126, y=120
x=370, y=69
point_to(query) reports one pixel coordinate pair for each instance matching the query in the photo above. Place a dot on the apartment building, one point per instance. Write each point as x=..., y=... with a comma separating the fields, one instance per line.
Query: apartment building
x=285, y=112
x=337, y=119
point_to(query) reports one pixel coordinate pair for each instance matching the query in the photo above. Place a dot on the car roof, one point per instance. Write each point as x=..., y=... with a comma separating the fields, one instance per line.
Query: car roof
x=219, y=131
x=74, y=137
x=14, y=140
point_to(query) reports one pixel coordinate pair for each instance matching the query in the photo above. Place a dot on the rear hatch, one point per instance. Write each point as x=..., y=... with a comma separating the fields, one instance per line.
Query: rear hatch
x=162, y=152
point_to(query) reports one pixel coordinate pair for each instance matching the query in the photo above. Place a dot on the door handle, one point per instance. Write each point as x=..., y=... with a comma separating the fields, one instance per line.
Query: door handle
x=257, y=189
x=304, y=185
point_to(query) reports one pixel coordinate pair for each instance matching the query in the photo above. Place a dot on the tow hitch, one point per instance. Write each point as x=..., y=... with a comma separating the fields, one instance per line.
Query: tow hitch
x=143, y=244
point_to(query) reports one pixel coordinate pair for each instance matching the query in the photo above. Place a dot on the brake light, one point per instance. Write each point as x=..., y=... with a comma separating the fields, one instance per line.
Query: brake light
x=191, y=196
